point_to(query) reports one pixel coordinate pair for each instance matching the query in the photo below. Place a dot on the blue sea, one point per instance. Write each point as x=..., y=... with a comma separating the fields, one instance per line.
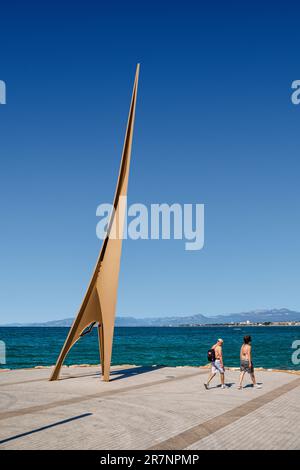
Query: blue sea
x=272, y=346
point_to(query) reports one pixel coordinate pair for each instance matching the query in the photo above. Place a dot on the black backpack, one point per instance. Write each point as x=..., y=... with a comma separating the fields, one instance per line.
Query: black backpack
x=211, y=355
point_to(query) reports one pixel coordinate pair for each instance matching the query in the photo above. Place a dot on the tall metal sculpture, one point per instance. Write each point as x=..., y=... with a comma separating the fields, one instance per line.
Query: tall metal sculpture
x=99, y=303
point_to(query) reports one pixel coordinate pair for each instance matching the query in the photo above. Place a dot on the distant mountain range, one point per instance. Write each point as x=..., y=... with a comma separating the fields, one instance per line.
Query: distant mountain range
x=254, y=316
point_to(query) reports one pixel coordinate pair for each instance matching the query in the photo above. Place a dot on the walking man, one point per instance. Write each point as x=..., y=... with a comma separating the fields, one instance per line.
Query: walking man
x=217, y=364
x=246, y=363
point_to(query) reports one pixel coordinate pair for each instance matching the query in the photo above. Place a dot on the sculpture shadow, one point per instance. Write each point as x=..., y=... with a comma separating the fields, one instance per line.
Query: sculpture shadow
x=120, y=373
x=90, y=374
x=43, y=428
x=132, y=371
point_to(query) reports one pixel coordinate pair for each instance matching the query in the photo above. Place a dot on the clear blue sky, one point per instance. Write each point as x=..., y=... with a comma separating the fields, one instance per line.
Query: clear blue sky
x=214, y=125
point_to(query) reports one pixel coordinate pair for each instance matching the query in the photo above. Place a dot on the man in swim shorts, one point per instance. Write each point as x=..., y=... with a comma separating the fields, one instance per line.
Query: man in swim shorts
x=217, y=365
x=246, y=363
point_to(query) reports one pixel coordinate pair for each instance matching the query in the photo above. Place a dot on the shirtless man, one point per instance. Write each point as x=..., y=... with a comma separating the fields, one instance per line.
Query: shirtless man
x=217, y=365
x=246, y=362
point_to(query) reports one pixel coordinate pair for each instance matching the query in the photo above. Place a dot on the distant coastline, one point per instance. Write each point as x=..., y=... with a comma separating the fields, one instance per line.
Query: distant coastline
x=240, y=325
x=270, y=317
x=209, y=325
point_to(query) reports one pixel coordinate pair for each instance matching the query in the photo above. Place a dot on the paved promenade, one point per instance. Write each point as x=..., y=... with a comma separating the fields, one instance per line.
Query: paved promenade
x=147, y=408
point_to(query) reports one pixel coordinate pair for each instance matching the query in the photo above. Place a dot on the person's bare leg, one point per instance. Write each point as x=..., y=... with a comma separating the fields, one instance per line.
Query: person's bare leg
x=211, y=376
x=222, y=376
x=242, y=375
x=254, y=381
x=253, y=378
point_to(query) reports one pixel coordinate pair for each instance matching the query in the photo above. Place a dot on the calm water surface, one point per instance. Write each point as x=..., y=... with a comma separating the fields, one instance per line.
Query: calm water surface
x=272, y=346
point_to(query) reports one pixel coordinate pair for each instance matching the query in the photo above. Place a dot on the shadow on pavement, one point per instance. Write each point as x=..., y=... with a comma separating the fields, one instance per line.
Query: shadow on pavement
x=58, y=423
x=125, y=373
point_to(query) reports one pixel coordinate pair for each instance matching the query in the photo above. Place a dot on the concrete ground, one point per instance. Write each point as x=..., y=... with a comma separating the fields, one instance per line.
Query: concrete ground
x=147, y=408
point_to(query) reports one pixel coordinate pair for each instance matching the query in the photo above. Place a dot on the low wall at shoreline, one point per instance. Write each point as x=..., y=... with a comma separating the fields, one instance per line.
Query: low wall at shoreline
x=207, y=366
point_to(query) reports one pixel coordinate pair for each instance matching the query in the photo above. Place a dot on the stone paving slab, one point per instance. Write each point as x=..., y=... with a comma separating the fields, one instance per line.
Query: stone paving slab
x=274, y=426
x=143, y=408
